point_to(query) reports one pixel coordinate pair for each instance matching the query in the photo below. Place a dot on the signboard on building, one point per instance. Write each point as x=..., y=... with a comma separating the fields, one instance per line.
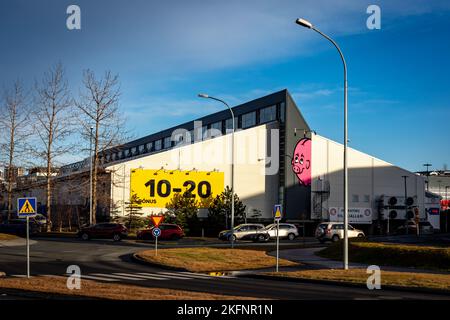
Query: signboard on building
x=155, y=188
x=355, y=215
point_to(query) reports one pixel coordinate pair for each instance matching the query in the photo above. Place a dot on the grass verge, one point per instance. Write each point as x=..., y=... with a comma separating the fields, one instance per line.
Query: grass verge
x=401, y=279
x=5, y=236
x=91, y=289
x=402, y=255
x=211, y=259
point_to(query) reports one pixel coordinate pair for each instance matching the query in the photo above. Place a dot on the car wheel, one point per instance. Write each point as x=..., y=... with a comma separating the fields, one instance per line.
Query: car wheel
x=360, y=235
x=335, y=238
x=85, y=236
x=261, y=238
x=232, y=238
x=117, y=237
x=291, y=236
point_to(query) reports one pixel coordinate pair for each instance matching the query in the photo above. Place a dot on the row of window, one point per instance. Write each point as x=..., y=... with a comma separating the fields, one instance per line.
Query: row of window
x=218, y=128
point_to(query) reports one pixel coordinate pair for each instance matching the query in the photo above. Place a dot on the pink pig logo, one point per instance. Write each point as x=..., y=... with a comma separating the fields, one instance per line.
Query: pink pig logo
x=301, y=161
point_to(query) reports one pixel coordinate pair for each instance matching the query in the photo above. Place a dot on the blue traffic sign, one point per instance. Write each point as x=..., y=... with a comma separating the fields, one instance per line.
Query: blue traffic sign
x=26, y=207
x=156, y=232
x=277, y=211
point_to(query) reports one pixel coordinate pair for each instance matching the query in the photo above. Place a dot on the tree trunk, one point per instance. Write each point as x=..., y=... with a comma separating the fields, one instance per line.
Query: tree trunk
x=94, y=176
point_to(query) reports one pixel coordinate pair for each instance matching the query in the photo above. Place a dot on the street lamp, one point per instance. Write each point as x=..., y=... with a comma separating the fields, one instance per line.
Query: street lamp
x=307, y=24
x=206, y=96
x=90, y=177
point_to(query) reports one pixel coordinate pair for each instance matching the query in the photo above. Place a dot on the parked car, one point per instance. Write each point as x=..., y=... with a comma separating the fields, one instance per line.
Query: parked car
x=334, y=231
x=168, y=232
x=249, y=231
x=19, y=227
x=425, y=228
x=287, y=231
x=115, y=231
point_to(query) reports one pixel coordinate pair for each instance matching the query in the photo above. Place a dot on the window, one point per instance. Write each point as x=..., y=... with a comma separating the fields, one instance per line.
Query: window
x=149, y=146
x=282, y=111
x=113, y=157
x=248, y=119
x=205, y=134
x=108, y=156
x=216, y=129
x=167, y=143
x=157, y=145
x=229, y=124
x=355, y=198
x=141, y=148
x=366, y=198
x=126, y=153
x=267, y=114
x=133, y=151
x=119, y=154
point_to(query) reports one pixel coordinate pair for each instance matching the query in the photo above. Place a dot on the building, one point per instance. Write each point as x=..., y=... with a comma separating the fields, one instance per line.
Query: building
x=278, y=160
x=15, y=172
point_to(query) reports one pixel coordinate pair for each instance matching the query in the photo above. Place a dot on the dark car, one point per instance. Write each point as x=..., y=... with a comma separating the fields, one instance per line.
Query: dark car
x=115, y=231
x=168, y=232
x=19, y=227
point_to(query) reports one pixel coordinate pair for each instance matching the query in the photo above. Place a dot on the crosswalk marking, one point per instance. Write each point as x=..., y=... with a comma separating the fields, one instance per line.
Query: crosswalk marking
x=97, y=278
x=153, y=277
x=137, y=276
x=129, y=277
x=174, y=275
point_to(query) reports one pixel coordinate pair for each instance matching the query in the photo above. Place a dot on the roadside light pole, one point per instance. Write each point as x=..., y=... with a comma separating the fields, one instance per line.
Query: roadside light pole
x=203, y=95
x=307, y=24
x=446, y=211
x=90, y=177
x=406, y=208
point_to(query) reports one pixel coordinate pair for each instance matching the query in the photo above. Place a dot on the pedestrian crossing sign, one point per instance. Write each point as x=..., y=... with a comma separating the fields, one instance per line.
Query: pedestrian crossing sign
x=26, y=207
x=278, y=212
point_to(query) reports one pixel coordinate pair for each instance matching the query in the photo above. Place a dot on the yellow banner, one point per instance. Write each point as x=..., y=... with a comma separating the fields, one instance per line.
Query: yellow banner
x=155, y=188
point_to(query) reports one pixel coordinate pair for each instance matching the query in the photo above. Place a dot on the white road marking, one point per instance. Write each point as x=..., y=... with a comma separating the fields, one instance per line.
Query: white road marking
x=152, y=277
x=97, y=278
x=174, y=275
x=116, y=276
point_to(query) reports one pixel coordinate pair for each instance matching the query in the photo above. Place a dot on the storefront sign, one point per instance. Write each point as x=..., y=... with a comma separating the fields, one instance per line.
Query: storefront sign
x=355, y=215
x=155, y=188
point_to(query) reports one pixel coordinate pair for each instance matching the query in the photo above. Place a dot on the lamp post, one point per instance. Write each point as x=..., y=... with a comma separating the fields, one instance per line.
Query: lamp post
x=90, y=177
x=446, y=211
x=307, y=24
x=206, y=96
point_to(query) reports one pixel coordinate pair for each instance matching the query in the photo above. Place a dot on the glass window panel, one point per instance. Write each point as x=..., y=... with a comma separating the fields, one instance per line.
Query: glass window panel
x=248, y=119
x=268, y=114
x=158, y=145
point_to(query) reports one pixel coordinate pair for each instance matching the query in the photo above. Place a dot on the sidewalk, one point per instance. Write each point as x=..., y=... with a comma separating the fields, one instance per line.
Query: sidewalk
x=15, y=242
x=308, y=256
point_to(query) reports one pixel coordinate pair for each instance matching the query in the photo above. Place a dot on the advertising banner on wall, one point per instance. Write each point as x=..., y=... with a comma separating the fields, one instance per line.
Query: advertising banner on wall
x=155, y=188
x=355, y=215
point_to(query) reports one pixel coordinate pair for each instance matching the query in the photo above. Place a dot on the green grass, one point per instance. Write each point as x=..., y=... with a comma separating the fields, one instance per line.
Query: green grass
x=425, y=257
x=5, y=236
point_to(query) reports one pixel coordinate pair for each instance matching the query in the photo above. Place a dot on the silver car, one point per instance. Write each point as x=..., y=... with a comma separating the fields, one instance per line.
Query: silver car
x=248, y=231
x=287, y=230
x=334, y=231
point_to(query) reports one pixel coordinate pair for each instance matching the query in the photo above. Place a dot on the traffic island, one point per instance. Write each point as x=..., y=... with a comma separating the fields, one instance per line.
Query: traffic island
x=396, y=255
x=210, y=259
x=437, y=283
x=56, y=288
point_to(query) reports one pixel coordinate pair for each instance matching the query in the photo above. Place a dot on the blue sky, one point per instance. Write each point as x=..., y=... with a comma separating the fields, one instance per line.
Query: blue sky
x=165, y=52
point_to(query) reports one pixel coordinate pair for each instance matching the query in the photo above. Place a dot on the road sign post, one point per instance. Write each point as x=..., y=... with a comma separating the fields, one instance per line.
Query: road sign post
x=26, y=208
x=156, y=232
x=277, y=216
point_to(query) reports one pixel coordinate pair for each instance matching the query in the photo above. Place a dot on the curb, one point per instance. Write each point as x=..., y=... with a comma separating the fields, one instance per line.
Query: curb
x=135, y=257
x=346, y=284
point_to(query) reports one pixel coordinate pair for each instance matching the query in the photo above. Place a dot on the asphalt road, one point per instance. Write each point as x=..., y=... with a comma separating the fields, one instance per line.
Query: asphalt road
x=108, y=261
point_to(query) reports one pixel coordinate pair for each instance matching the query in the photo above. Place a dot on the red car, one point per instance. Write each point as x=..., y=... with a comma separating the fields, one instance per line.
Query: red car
x=168, y=232
x=115, y=231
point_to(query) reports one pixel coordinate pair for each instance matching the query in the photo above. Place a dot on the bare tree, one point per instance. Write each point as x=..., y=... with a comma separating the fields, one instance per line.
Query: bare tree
x=54, y=124
x=99, y=104
x=15, y=124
